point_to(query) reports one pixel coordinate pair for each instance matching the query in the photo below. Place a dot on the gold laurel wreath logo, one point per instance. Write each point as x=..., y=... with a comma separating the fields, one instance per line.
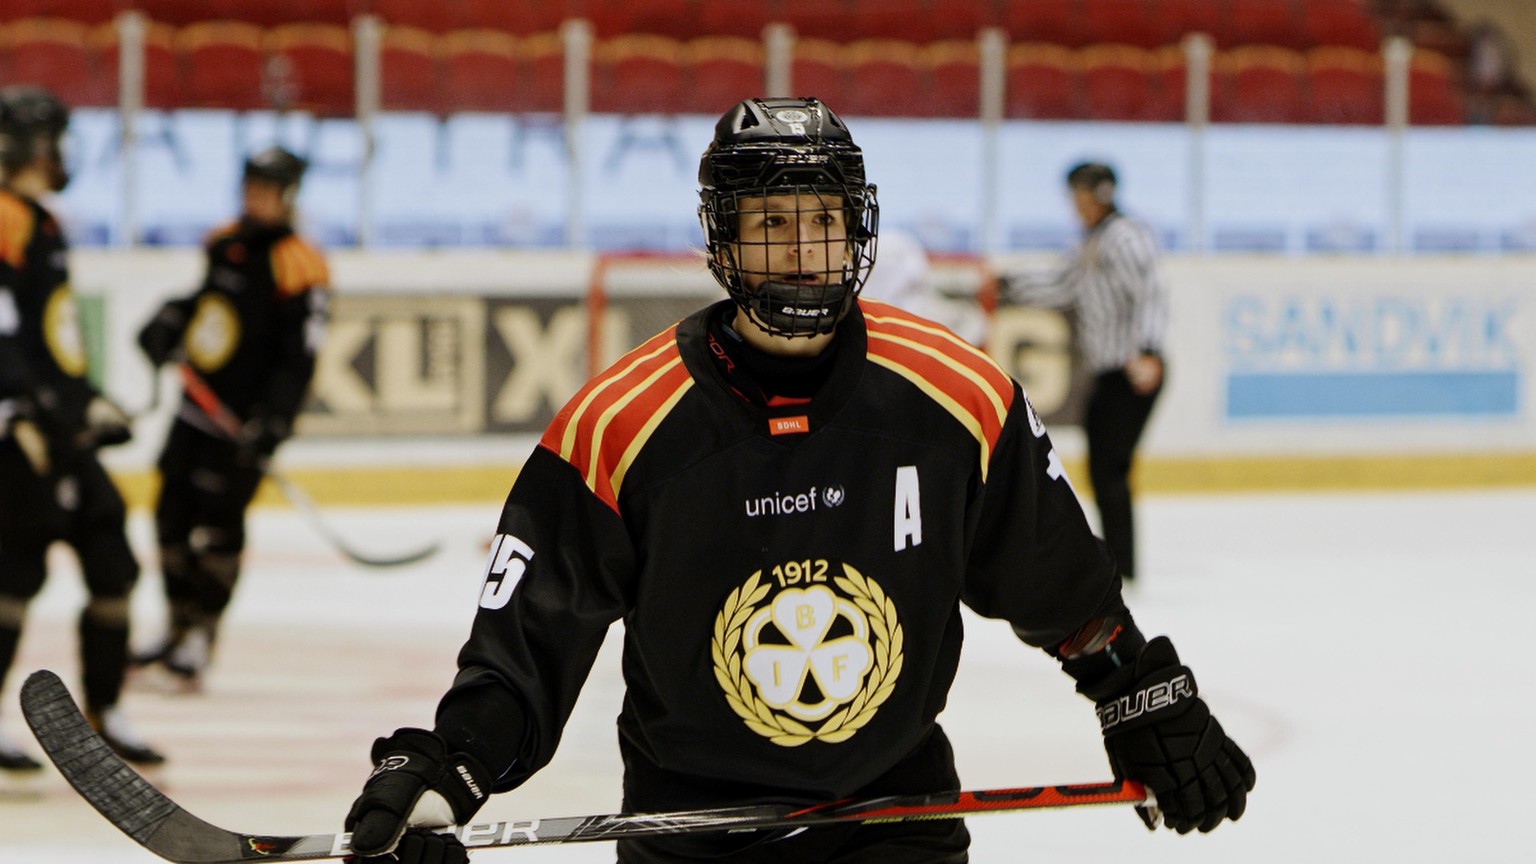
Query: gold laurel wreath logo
x=843, y=723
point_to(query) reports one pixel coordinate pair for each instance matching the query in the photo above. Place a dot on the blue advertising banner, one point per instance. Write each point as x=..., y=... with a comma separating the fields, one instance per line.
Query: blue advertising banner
x=1340, y=354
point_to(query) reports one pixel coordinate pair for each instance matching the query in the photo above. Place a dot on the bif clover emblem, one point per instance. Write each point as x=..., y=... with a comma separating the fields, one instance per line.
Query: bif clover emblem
x=810, y=663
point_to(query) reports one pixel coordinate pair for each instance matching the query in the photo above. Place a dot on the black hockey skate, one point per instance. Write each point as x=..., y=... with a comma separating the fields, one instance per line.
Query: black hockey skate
x=17, y=762
x=113, y=728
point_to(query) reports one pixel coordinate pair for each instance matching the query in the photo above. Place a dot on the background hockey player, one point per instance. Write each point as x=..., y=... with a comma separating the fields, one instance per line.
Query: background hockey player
x=1114, y=281
x=786, y=497
x=250, y=334
x=52, y=419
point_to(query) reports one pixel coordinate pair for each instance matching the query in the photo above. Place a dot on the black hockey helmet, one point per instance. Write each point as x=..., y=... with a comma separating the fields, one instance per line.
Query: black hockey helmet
x=277, y=165
x=280, y=167
x=797, y=147
x=32, y=120
x=1097, y=178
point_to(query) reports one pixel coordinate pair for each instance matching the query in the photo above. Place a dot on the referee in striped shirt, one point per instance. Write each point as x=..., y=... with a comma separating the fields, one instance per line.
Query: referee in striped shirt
x=1113, y=282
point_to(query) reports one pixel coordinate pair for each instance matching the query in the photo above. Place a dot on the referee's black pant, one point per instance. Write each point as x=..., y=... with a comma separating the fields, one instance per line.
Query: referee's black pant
x=1115, y=417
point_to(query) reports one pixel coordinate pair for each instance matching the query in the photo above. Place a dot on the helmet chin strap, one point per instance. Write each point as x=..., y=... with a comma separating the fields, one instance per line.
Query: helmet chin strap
x=799, y=309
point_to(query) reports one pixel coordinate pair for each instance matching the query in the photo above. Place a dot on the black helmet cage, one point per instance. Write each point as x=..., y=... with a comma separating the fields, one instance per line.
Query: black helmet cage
x=797, y=148
x=32, y=122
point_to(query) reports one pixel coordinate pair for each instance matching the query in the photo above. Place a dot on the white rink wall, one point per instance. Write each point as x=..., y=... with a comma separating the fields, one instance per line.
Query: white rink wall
x=1270, y=357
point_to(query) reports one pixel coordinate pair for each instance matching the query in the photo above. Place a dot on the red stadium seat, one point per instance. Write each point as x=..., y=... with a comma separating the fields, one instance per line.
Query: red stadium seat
x=639, y=73
x=56, y=53
x=885, y=80
x=262, y=13
x=81, y=11
x=319, y=65
x=223, y=65
x=1346, y=23
x=720, y=71
x=481, y=71
x=1346, y=85
x=816, y=19
x=519, y=17
x=1059, y=22
x=733, y=18
x=437, y=16
x=326, y=11
x=181, y=12
x=1179, y=18
x=882, y=19
x=409, y=71
x=163, y=89
x=956, y=19
x=818, y=70
x=1117, y=81
x=1129, y=22
x=1042, y=81
x=660, y=17
x=1261, y=22
x=1434, y=92
x=1168, y=69
x=542, y=57
x=953, y=69
x=1258, y=84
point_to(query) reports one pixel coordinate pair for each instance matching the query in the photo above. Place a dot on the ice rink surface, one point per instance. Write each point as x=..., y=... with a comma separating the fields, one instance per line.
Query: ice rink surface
x=1370, y=651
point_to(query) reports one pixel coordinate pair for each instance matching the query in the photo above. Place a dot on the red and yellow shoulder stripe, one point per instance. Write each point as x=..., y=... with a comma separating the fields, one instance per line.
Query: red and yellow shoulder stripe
x=297, y=266
x=17, y=224
x=957, y=375
x=605, y=425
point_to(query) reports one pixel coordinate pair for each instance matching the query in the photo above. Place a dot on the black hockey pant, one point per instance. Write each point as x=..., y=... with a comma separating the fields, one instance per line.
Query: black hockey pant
x=1113, y=421
x=79, y=505
x=206, y=485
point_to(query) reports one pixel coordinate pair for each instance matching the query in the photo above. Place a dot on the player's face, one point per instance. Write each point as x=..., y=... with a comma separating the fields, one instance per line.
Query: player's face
x=263, y=201
x=800, y=237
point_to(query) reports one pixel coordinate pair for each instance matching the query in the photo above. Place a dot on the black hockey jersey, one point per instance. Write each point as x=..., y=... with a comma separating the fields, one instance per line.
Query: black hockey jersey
x=41, y=347
x=256, y=322
x=789, y=577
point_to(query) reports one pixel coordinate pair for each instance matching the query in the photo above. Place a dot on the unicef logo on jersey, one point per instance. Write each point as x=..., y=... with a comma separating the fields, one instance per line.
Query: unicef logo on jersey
x=807, y=652
x=786, y=503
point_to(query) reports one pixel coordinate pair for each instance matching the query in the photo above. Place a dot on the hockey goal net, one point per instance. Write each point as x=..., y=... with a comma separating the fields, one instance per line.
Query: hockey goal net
x=634, y=295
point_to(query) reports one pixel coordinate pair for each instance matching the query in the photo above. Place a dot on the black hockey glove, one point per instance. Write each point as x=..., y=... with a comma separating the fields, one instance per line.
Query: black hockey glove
x=417, y=783
x=420, y=846
x=161, y=336
x=260, y=435
x=1158, y=731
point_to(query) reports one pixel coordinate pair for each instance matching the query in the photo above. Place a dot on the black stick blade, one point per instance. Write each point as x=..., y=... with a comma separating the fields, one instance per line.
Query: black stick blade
x=118, y=792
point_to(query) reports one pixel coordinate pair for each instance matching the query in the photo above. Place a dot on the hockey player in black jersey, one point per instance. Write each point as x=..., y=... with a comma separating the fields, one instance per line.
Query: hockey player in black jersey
x=52, y=420
x=786, y=498
x=250, y=334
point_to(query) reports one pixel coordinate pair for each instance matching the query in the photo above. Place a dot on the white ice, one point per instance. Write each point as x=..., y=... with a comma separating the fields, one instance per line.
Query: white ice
x=1370, y=651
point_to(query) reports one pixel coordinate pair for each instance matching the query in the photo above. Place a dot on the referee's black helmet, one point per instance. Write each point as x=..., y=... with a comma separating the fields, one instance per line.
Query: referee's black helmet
x=1096, y=177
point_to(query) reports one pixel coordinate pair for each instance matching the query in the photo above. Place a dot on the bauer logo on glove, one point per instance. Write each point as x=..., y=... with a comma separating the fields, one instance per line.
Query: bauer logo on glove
x=1132, y=705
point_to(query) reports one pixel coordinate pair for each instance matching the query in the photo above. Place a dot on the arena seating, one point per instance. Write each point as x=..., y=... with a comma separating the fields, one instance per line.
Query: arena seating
x=410, y=71
x=1345, y=85
x=718, y=69
x=55, y=50
x=1315, y=61
x=162, y=74
x=481, y=71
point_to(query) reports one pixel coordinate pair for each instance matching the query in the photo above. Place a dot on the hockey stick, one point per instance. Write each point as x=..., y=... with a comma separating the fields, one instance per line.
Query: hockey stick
x=227, y=424
x=160, y=825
